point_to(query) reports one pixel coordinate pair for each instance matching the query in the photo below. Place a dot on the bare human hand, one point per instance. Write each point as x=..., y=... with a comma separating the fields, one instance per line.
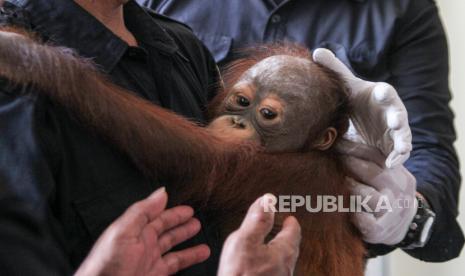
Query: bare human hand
x=246, y=253
x=137, y=243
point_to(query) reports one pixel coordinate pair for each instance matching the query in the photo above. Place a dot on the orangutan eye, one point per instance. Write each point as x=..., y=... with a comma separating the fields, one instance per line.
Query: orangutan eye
x=268, y=114
x=242, y=101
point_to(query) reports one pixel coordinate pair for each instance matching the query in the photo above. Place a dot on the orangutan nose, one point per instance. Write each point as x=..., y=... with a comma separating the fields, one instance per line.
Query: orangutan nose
x=238, y=122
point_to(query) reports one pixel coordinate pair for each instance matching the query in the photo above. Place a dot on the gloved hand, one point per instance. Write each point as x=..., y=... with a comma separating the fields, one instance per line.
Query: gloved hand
x=398, y=187
x=379, y=117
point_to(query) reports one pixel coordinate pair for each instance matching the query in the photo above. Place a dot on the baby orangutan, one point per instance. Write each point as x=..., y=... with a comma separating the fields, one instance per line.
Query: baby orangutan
x=284, y=102
x=273, y=131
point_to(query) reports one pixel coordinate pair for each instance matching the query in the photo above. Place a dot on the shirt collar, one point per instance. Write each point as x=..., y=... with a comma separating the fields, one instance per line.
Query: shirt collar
x=65, y=23
x=147, y=30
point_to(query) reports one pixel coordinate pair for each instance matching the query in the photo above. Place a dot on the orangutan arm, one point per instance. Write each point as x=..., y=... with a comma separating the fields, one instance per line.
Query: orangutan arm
x=162, y=144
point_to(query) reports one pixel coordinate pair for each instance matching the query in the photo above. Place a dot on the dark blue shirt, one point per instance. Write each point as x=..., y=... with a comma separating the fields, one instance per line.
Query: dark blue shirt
x=401, y=42
x=60, y=184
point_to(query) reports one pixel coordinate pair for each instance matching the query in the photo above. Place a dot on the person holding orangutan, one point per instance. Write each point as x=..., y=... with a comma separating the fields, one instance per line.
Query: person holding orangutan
x=272, y=130
x=85, y=142
x=61, y=185
x=400, y=42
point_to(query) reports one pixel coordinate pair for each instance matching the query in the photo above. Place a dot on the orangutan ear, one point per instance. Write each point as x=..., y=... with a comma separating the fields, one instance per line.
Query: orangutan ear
x=327, y=140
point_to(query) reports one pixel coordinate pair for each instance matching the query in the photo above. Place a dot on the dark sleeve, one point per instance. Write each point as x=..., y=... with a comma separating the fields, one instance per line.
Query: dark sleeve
x=26, y=245
x=29, y=244
x=12, y=15
x=420, y=68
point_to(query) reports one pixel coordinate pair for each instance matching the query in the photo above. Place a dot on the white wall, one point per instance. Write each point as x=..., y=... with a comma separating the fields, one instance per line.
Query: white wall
x=453, y=17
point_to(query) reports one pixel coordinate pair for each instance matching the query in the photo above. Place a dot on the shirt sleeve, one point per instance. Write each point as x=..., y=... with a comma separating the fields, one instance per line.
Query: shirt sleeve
x=29, y=243
x=420, y=70
x=12, y=15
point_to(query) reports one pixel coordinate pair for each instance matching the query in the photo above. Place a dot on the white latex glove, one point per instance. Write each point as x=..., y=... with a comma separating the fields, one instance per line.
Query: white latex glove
x=397, y=185
x=379, y=117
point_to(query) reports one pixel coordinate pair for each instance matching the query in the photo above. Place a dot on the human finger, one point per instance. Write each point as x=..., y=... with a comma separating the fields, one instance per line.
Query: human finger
x=327, y=58
x=171, y=218
x=361, y=151
x=402, y=138
x=385, y=95
x=362, y=170
x=179, y=234
x=180, y=260
x=369, y=194
x=138, y=215
x=258, y=222
x=290, y=236
x=367, y=225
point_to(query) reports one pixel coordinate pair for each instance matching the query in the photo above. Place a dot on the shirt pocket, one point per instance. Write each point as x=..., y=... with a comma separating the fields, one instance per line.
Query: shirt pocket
x=361, y=58
x=368, y=61
x=218, y=45
x=98, y=211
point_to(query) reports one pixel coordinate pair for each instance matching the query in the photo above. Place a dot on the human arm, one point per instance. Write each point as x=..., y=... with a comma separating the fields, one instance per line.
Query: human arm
x=31, y=241
x=30, y=245
x=419, y=66
x=376, y=145
x=418, y=62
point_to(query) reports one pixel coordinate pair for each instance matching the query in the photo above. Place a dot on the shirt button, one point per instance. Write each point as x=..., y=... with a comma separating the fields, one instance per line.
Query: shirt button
x=276, y=18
